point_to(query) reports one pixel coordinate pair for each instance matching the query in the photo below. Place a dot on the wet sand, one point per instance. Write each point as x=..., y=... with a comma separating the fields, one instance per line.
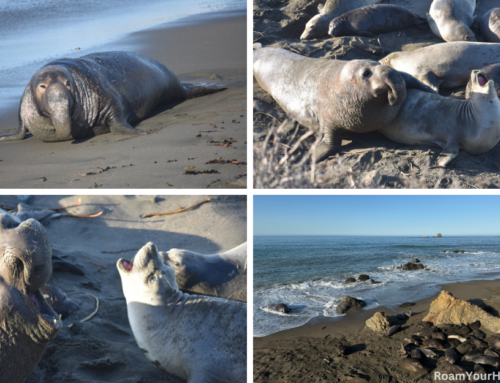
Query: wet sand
x=386, y=164
x=298, y=355
x=104, y=349
x=199, y=49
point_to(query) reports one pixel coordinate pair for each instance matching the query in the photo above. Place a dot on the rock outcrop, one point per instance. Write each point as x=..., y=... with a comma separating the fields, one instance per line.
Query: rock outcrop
x=348, y=302
x=379, y=322
x=439, y=235
x=350, y=280
x=363, y=277
x=448, y=309
x=411, y=266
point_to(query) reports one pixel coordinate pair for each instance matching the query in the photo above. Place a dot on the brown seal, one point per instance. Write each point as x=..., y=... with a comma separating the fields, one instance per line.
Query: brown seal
x=27, y=323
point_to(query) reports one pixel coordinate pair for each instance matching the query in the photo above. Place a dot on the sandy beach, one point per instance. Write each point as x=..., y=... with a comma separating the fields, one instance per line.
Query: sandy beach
x=367, y=160
x=104, y=349
x=299, y=354
x=207, y=48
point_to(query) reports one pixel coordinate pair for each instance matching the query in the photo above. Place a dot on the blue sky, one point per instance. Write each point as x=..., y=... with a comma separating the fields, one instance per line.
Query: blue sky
x=377, y=215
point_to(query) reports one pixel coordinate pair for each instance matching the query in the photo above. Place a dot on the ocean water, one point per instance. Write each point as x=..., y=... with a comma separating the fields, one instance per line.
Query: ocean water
x=308, y=273
x=34, y=32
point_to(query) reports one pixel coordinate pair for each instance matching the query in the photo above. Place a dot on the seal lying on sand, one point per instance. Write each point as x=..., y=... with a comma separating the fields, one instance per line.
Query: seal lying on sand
x=219, y=275
x=444, y=65
x=450, y=20
x=193, y=337
x=426, y=118
x=373, y=20
x=95, y=94
x=489, y=25
x=318, y=25
x=27, y=323
x=332, y=96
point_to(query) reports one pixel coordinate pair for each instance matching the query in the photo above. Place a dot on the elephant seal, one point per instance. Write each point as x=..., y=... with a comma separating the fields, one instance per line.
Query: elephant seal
x=27, y=322
x=489, y=25
x=192, y=337
x=490, y=72
x=77, y=98
x=332, y=96
x=218, y=275
x=59, y=301
x=450, y=20
x=373, y=20
x=444, y=65
x=318, y=25
x=431, y=119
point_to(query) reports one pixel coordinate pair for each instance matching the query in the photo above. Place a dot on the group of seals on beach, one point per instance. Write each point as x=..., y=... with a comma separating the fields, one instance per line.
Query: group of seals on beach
x=397, y=96
x=99, y=93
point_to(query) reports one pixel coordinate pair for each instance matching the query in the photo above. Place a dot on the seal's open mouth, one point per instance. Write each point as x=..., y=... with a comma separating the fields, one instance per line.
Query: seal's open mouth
x=45, y=311
x=482, y=80
x=127, y=265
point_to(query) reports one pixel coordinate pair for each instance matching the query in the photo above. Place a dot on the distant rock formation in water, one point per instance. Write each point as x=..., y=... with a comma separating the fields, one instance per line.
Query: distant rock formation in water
x=438, y=236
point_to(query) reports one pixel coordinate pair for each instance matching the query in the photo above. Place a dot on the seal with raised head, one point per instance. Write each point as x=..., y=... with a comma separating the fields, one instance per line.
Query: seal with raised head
x=373, y=20
x=192, y=337
x=27, y=322
x=450, y=20
x=444, y=65
x=318, y=25
x=332, y=96
x=489, y=25
x=77, y=98
x=219, y=275
x=489, y=72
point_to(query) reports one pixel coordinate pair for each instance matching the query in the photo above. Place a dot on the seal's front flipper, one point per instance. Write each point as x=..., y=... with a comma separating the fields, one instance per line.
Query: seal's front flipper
x=326, y=148
x=413, y=82
x=122, y=127
x=17, y=136
x=450, y=151
x=198, y=91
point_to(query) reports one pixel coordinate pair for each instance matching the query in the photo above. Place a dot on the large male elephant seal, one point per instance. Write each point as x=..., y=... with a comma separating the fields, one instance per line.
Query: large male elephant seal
x=489, y=72
x=450, y=123
x=192, y=337
x=27, y=323
x=450, y=20
x=373, y=20
x=332, y=96
x=489, y=25
x=444, y=65
x=318, y=25
x=95, y=94
x=219, y=275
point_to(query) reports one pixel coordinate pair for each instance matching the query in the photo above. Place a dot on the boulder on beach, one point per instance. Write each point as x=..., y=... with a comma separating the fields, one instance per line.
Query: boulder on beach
x=379, y=322
x=348, y=302
x=411, y=266
x=448, y=309
x=350, y=280
x=363, y=277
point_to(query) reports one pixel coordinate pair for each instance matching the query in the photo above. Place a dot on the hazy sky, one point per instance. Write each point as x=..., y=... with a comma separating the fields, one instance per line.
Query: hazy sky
x=377, y=215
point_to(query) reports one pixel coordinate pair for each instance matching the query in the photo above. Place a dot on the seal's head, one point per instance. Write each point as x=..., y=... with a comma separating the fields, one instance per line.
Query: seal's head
x=146, y=279
x=184, y=264
x=336, y=28
x=316, y=27
x=481, y=88
x=459, y=32
x=53, y=89
x=25, y=267
x=480, y=80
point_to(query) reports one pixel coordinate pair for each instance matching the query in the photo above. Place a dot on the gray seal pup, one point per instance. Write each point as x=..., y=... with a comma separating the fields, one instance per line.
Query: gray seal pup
x=450, y=20
x=192, y=337
x=99, y=93
x=444, y=65
x=489, y=25
x=27, y=322
x=219, y=275
x=332, y=97
x=431, y=119
x=318, y=25
x=373, y=20
x=489, y=72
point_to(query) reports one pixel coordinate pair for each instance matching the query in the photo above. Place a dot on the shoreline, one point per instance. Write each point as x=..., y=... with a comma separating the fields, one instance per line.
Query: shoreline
x=174, y=140
x=316, y=339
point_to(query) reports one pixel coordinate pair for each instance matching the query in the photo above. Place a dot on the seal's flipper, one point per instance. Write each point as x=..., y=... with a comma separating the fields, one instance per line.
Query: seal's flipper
x=123, y=127
x=413, y=82
x=450, y=151
x=325, y=150
x=198, y=91
x=17, y=136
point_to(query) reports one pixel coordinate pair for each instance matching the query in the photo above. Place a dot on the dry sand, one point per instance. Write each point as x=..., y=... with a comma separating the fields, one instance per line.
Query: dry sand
x=104, y=349
x=298, y=355
x=200, y=49
x=280, y=23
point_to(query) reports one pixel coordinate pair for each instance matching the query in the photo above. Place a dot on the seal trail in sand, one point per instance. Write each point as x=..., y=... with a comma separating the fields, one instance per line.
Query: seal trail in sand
x=96, y=94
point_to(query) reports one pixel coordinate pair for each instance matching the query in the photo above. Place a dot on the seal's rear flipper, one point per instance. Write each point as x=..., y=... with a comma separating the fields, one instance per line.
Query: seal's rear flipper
x=199, y=91
x=17, y=136
x=449, y=152
x=413, y=82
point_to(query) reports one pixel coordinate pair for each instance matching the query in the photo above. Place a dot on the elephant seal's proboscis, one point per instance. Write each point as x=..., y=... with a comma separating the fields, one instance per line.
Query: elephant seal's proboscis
x=27, y=322
x=219, y=275
x=78, y=98
x=192, y=337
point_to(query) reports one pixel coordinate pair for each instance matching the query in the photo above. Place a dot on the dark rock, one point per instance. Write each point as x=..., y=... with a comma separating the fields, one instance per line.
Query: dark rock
x=464, y=348
x=415, y=260
x=475, y=325
x=350, y=280
x=411, y=266
x=408, y=304
x=282, y=308
x=348, y=302
x=363, y=277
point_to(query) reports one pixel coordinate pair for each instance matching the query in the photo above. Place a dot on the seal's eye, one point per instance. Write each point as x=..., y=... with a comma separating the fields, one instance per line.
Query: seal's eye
x=152, y=279
x=176, y=263
x=43, y=86
x=68, y=84
x=367, y=73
